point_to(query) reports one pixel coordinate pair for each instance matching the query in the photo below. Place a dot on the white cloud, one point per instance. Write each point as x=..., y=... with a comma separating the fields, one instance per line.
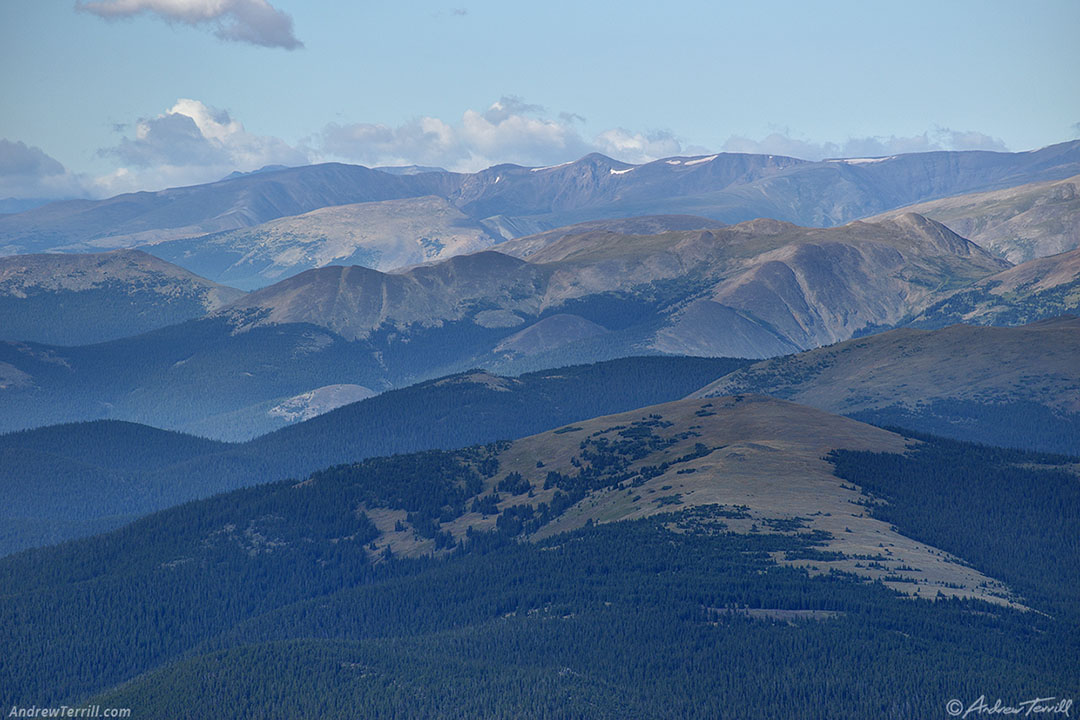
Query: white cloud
x=251, y=21
x=17, y=159
x=509, y=131
x=973, y=140
x=191, y=143
x=938, y=138
x=28, y=172
x=427, y=141
x=502, y=135
x=508, y=106
x=638, y=147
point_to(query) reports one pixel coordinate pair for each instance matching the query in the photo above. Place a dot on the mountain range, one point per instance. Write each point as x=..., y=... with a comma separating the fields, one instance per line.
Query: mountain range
x=237, y=202
x=754, y=290
x=751, y=290
x=1006, y=386
x=512, y=201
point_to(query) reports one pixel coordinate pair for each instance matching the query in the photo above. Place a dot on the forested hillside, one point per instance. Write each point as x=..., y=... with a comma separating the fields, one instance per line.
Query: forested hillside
x=73, y=480
x=678, y=615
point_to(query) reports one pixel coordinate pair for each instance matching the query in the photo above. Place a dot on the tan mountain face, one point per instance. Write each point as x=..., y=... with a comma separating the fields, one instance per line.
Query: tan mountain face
x=21, y=274
x=81, y=299
x=1020, y=223
x=756, y=289
x=524, y=247
x=1036, y=363
x=354, y=301
x=759, y=458
x=382, y=235
x=822, y=286
x=1036, y=275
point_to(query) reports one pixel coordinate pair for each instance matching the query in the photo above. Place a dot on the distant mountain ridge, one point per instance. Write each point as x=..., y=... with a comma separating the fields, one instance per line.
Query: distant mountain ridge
x=1019, y=223
x=147, y=217
x=1016, y=386
x=78, y=299
x=1039, y=289
x=753, y=290
x=778, y=286
x=513, y=201
x=382, y=235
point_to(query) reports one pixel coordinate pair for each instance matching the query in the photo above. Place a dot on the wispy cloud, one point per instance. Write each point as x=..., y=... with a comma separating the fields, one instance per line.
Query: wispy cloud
x=424, y=141
x=969, y=140
x=939, y=138
x=511, y=130
x=637, y=147
x=251, y=21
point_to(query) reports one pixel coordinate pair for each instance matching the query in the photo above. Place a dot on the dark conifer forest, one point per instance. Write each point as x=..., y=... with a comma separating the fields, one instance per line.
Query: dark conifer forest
x=269, y=601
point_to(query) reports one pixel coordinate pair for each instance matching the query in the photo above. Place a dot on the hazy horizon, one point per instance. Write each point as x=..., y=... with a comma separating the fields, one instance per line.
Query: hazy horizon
x=108, y=97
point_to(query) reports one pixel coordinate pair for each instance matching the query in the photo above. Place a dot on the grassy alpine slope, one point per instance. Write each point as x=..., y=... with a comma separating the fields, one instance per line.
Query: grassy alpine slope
x=1015, y=387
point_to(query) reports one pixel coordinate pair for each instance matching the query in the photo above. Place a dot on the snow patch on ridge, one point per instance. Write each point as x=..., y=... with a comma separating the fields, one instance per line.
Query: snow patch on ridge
x=551, y=167
x=861, y=161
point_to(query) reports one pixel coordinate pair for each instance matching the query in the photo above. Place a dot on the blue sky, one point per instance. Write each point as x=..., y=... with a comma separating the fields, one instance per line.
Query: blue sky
x=107, y=96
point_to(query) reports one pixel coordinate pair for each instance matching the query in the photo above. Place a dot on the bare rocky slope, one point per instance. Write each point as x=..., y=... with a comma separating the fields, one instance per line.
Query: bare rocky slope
x=87, y=298
x=382, y=235
x=752, y=290
x=1019, y=224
